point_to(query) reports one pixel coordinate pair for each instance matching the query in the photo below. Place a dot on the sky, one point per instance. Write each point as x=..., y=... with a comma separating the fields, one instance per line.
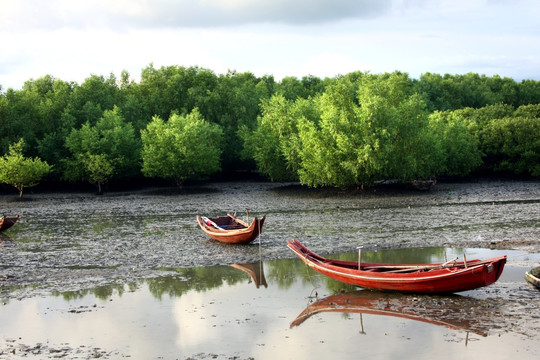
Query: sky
x=72, y=40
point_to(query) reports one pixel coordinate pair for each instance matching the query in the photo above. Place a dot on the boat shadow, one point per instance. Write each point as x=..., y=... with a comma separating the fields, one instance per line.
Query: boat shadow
x=453, y=312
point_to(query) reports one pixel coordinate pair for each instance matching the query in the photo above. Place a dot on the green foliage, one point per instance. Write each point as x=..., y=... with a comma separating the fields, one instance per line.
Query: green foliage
x=329, y=144
x=352, y=129
x=459, y=147
x=98, y=167
x=264, y=144
x=234, y=104
x=185, y=147
x=452, y=92
x=361, y=129
x=512, y=145
x=19, y=171
x=110, y=142
x=507, y=138
x=275, y=143
x=380, y=133
x=292, y=88
x=395, y=122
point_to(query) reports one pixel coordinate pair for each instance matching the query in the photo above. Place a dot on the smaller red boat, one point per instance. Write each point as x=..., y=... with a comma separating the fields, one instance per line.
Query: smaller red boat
x=447, y=277
x=229, y=229
x=7, y=222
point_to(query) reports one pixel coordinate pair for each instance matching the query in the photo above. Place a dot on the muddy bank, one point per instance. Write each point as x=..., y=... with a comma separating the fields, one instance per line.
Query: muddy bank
x=125, y=254
x=70, y=241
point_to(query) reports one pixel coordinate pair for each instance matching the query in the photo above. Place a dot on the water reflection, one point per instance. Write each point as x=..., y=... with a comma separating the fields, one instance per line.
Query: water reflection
x=259, y=310
x=255, y=272
x=443, y=311
x=282, y=273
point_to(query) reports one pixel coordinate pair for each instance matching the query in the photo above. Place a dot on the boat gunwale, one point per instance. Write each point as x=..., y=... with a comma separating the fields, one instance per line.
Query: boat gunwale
x=391, y=281
x=235, y=236
x=222, y=232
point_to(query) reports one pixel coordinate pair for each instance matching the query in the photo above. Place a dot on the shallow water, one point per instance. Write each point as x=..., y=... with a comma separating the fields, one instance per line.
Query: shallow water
x=80, y=239
x=224, y=312
x=135, y=276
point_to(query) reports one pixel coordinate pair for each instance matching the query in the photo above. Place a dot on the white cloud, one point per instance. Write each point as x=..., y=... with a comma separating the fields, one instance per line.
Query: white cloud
x=181, y=13
x=73, y=39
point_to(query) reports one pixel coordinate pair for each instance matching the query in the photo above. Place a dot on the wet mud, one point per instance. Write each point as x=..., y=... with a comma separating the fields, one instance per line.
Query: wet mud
x=72, y=241
x=75, y=241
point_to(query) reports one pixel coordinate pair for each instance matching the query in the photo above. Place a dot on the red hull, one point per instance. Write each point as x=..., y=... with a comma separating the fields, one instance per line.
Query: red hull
x=7, y=222
x=418, y=278
x=235, y=231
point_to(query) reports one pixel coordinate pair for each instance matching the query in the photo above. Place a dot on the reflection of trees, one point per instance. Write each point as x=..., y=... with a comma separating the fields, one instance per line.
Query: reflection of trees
x=198, y=279
x=284, y=272
x=101, y=292
x=397, y=256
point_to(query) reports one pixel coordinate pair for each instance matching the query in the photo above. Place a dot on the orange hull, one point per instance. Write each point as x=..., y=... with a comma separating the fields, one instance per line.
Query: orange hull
x=231, y=230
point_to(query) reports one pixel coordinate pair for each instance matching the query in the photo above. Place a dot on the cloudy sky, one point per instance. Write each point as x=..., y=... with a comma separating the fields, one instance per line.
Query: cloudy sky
x=73, y=39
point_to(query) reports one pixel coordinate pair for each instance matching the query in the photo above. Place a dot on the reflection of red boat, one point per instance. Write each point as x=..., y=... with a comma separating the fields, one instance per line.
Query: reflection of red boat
x=417, y=278
x=426, y=309
x=230, y=229
x=7, y=222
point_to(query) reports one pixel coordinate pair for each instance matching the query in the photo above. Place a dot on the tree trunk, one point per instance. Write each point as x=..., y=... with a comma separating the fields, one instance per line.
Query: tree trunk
x=20, y=188
x=99, y=188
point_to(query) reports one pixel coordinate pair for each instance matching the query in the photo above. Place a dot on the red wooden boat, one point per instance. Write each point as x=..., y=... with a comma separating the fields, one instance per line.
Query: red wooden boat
x=447, y=277
x=229, y=229
x=7, y=222
x=427, y=309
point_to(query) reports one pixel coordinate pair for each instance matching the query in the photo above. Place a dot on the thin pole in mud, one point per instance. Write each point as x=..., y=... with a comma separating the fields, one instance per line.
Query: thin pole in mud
x=360, y=257
x=260, y=250
x=362, y=331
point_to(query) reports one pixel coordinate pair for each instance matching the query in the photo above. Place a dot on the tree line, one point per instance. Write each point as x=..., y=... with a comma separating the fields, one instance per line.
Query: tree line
x=183, y=123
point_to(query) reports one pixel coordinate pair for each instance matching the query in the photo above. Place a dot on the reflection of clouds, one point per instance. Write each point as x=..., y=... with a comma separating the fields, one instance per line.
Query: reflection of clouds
x=244, y=321
x=217, y=320
x=121, y=324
